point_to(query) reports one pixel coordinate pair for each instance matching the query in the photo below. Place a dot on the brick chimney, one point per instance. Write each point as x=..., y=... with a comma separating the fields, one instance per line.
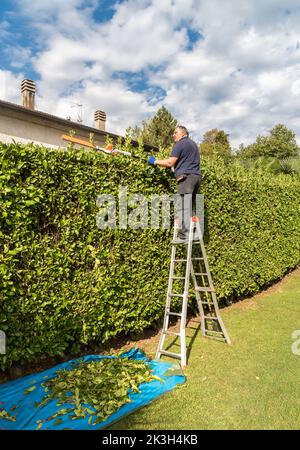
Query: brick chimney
x=28, y=93
x=100, y=120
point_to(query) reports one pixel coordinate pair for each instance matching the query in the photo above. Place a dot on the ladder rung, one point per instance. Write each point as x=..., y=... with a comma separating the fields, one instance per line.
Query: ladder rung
x=198, y=259
x=207, y=303
x=165, y=352
x=179, y=260
x=176, y=295
x=211, y=318
x=174, y=314
x=171, y=333
x=221, y=338
x=199, y=273
x=178, y=278
x=215, y=332
x=204, y=289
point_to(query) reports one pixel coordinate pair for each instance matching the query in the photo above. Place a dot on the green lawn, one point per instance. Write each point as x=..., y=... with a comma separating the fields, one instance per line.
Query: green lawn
x=252, y=384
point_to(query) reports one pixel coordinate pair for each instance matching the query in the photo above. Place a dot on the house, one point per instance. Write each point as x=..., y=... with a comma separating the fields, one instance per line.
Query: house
x=26, y=124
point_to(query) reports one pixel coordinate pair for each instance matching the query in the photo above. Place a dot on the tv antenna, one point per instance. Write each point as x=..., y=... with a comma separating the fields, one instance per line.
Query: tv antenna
x=79, y=111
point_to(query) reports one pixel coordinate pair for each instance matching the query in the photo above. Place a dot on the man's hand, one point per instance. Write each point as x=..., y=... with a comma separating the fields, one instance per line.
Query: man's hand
x=151, y=160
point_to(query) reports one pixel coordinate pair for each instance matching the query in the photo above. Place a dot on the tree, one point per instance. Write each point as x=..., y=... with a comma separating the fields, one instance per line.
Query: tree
x=281, y=143
x=215, y=142
x=157, y=131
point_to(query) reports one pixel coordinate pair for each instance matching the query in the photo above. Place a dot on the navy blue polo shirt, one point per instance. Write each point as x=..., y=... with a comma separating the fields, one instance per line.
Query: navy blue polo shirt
x=188, y=156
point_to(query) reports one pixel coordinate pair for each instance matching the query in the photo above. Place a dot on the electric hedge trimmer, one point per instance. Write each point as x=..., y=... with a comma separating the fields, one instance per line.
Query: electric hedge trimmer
x=108, y=149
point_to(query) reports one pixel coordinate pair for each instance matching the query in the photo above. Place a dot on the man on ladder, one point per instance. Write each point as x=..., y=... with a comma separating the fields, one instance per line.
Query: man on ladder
x=185, y=159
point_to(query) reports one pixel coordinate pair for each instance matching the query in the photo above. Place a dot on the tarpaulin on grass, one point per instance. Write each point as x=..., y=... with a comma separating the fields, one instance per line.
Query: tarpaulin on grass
x=19, y=397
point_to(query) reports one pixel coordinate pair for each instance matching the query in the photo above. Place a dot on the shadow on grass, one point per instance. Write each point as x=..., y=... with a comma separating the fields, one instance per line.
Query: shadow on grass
x=192, y=333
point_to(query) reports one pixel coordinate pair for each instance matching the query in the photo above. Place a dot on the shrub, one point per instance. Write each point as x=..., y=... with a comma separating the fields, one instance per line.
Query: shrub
x=64, y=282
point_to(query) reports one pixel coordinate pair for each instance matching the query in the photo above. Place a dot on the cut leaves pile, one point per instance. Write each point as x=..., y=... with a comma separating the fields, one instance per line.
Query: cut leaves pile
x=96, y=389
x=86, y=393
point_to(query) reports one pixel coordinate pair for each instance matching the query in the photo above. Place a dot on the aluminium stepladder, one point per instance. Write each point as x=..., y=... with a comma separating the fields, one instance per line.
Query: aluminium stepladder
x=194, y=264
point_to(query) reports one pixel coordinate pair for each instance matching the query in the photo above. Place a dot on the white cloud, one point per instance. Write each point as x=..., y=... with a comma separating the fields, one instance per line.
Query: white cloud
x=55, y=10
x=243, y=76
x=10, y=83
x=18, y=55
x=4, y=26
x=122, y=106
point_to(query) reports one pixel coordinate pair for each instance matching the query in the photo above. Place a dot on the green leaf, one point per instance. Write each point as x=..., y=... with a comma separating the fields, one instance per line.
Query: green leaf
x=31, y=389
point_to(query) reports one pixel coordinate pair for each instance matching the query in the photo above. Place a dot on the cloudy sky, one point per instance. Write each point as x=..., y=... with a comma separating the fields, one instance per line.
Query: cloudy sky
x=227, y=64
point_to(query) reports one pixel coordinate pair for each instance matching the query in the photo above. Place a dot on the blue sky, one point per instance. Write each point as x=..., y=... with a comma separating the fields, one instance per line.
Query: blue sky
x=232, y=65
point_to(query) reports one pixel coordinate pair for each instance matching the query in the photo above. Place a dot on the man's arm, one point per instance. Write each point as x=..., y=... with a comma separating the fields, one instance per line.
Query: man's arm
x=168, y=162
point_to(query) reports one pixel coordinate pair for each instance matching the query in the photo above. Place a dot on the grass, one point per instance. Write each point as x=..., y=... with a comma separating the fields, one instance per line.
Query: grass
x=252, y=384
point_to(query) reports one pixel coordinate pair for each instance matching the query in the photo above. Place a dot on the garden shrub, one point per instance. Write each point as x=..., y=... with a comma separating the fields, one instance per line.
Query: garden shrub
x=64, y=282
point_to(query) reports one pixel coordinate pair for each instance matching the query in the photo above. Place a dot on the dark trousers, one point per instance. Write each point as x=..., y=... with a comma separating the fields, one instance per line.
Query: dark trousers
x=185, y=203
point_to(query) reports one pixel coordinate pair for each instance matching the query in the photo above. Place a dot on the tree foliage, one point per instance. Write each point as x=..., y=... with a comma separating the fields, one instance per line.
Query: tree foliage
x=215, y=142
x=158, y=130
x=281, y=143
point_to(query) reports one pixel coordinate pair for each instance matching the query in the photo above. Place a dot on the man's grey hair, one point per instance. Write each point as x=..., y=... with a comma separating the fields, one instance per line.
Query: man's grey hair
x=183, y=128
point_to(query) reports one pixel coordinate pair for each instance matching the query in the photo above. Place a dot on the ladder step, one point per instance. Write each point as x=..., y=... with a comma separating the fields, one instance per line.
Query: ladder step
x=174, y=314
x=176, y=295
x=204, y=289
x=179, y=260
x=165, y=352
x=172, y=333
x=207, y=303
x=211, y=318
x=197, y=259
x=199, y=273
x=214, y=332
x=178, y=278
x=217, y=338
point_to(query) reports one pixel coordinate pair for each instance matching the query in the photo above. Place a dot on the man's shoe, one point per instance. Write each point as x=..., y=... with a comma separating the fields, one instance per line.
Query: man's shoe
x=180, y=241
x=181, y=238
x=184, y=239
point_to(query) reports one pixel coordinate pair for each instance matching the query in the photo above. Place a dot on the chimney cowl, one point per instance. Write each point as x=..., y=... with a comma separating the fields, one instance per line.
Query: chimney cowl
x=28, y=93
x=100, y=120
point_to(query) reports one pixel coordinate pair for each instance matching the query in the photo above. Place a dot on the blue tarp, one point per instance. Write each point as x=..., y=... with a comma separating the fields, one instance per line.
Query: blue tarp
x=12, y=395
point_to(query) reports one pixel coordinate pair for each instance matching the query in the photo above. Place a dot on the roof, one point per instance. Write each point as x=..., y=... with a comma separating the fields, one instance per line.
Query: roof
x=60, y=120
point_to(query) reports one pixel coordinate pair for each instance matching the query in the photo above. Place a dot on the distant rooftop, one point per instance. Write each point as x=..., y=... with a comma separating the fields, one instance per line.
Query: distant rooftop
x=28, y=108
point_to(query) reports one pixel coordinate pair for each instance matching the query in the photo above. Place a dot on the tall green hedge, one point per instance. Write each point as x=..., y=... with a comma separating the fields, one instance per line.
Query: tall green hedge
x=64, y=282
x=253, y=226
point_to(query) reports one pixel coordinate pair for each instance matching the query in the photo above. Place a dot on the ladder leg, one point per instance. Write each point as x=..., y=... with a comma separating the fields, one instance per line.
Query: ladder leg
x=185, y=295
x=168, y=301
x=199, y=302
x=182, y=330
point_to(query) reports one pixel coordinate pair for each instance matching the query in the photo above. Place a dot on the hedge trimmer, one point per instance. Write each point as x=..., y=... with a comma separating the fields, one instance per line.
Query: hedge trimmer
x=108, y=149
